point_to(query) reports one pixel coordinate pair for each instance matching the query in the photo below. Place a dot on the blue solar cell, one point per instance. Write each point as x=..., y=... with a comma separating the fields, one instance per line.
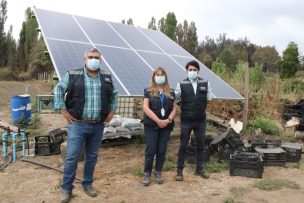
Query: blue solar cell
x=69, y=56
x=165, y=42
x=100, y=32
x=174, y=72
x=129, y=68
x=135, y=38
x=59, y=25
x=220, y=89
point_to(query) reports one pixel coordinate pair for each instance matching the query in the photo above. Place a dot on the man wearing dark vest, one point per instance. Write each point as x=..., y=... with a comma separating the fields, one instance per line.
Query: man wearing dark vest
x=89, y=104
x=192, y=95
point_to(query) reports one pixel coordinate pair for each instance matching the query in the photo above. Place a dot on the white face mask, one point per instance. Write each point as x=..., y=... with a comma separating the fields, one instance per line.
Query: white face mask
x=159, y=80
x=192, y=75
x=93, y=64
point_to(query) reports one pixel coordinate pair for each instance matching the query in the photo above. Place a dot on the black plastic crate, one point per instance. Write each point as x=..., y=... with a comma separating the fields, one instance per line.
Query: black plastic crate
x=44, y=146
x=58, y=136
x=229, y=137
x=245, y=156
x=224, y=153
x=293, y=151
x=273, y=156
x=273, y=143
x=257, y=143
x=252, y=168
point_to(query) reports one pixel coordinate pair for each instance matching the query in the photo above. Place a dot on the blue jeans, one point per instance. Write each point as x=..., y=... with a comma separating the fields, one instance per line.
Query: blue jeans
x=199, y=129
x=79, y=135
x=156, y=144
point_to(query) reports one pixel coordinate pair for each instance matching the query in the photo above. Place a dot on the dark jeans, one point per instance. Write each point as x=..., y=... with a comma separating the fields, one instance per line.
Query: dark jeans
x=199, y=129
x=156, y=144
x=79, y=134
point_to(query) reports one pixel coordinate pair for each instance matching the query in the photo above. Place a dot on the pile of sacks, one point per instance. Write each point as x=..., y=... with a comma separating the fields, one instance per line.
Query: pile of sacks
x=123, y=127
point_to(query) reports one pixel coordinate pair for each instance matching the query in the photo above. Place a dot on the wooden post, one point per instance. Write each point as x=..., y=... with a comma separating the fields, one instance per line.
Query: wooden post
x=246, y=95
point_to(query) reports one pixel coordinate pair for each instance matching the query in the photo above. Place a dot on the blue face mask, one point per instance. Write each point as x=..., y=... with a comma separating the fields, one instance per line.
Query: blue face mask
x=192, y=75
x=93, y=64
x=160, y=80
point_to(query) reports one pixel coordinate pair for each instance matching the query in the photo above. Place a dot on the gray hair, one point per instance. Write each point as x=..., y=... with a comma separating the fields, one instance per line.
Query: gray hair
x=93, y=49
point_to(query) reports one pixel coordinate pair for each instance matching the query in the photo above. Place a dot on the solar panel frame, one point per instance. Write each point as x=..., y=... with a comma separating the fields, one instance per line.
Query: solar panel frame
x=136, y=50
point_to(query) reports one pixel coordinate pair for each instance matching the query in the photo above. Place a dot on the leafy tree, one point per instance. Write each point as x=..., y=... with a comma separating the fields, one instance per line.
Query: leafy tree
x=28, y=38
x=152, y=24
x=191, y=41
x=268, y=56
x=123, y=21
x=170, y=26
x=229, y=57
x=219, y=68
x=3, y=45
x=206, y=58
x=39, y=62
x=11, y=49
x=130, y=21
x=162, y=25
x=289, y=64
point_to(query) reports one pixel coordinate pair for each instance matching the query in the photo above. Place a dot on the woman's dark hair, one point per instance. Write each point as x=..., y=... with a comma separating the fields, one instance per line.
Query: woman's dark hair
x=192, y=63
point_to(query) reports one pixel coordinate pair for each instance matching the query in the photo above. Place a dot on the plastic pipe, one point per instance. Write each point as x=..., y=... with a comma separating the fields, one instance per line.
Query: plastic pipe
x=4, y=142
x=23, y=139
x=14, y=139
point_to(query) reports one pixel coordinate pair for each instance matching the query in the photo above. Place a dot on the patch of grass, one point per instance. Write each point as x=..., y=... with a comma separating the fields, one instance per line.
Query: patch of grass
x=213, y=166
x=271, y=185
x=35, y=132
x=137, y=171
x=292, y=165
x=229, y=200
x=168, y=166
x=238, y=191
x=172, y=159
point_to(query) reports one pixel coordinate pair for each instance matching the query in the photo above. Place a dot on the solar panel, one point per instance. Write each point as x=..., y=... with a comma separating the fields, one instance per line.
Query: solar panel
x=130, y=53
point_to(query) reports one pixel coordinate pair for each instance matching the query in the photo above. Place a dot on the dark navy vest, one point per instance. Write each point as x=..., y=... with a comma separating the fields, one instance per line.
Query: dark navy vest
x=193, y=106
x=155, y=105
x=75, y=97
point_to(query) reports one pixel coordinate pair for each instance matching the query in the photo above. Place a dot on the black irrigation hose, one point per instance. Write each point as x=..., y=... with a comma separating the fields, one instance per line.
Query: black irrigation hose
x=46, y=166
x=8, y=161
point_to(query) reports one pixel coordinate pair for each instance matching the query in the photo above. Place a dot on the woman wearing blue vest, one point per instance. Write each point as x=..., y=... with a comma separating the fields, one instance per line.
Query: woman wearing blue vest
x=159, y=111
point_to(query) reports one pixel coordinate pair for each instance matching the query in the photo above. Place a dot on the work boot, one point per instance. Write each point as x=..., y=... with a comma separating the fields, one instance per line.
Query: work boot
x=158, y=178
x=146, y=179
x=65, y=197
x=201, y=173
x=179, y=175
x=90, y=191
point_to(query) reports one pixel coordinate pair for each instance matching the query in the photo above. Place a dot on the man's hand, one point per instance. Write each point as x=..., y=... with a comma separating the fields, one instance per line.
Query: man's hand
x=67, y=115
x=109, y=118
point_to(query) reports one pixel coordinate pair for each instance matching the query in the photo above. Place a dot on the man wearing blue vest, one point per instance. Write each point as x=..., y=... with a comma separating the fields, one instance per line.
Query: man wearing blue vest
x=192, y=95
x=89, y=104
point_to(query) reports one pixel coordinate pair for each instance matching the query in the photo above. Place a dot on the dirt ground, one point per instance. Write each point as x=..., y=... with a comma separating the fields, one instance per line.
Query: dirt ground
x=117, y=181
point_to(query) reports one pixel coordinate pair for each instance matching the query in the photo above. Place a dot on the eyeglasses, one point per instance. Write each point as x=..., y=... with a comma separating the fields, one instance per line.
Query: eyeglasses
x=93, y=57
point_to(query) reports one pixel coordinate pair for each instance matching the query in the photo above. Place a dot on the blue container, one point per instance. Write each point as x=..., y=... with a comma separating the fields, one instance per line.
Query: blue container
x=21, y=108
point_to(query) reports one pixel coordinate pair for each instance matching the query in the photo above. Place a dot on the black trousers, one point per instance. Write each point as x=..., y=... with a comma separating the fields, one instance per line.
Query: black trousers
x=199, y=130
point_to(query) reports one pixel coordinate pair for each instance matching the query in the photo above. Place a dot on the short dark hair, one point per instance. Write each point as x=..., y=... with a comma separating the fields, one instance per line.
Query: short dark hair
x=192, y=63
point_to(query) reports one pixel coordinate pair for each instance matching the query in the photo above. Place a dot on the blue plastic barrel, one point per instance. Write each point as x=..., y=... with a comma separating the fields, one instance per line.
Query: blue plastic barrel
x=21, y=108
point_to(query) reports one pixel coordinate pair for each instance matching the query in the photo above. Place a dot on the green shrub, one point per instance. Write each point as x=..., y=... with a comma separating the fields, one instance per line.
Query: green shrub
x=8, y=74
x=267, y=125
x=293, y=86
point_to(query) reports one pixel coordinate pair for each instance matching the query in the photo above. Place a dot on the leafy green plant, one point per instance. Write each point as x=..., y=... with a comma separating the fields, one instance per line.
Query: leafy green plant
x=229, y=200
x=267, y=125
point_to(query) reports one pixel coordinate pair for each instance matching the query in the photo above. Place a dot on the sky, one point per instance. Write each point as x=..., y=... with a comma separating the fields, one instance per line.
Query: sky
x=263, y=22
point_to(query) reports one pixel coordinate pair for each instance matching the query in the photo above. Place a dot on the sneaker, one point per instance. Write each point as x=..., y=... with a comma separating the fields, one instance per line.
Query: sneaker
x=90, y=191
x=158, y=178
x=146, y=179
x=65, y=197
x=179, y=175
x=201, y=174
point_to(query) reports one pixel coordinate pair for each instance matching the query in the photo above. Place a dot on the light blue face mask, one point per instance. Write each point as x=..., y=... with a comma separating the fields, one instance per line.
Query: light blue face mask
x=160, y=80
x=192, y=75
x=93, y=64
